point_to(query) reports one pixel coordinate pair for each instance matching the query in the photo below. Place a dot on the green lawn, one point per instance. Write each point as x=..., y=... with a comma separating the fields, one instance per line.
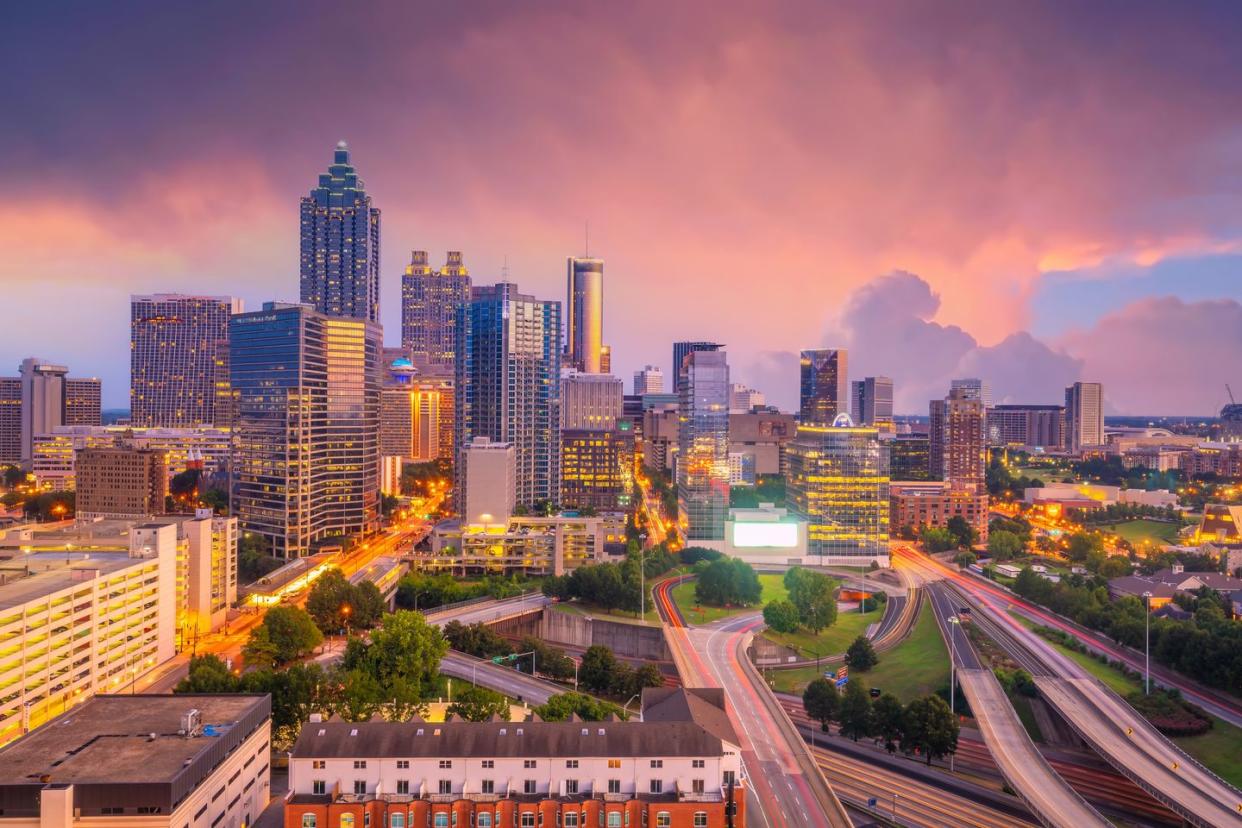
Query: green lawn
x=1138, y=531
x=831, y=641
x=652, y=617
x=683, y=596
x=916, y=667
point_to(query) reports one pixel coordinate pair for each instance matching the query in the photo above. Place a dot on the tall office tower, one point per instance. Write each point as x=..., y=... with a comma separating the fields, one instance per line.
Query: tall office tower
x=10, y=420
x=650, y=380
x=958, y=441
x=703, y=445
x=590, y=402
x=396, y=434
x=173, y=344
x=489, y=475
x=908, y=457
x=1084, y=416
x=37, y=402
x=973, y=388
x=680, y=349
x=742, y=399
x=429, y=302
x=340, y=244
x=584, y=314
x=838, y=483
x=605, y=359
x=43, y=401
x=83, y=401
x=1026, y=425
x=226, y=407
x=824, y=386
x=306, y=447
x=507, y=383
x=871, y=402
x=121, y=481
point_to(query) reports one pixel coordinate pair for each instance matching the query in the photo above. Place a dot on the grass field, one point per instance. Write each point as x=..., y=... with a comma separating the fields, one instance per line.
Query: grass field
x=1137, y=531
x=916, y=667
x=683, y=596
x=831, y=641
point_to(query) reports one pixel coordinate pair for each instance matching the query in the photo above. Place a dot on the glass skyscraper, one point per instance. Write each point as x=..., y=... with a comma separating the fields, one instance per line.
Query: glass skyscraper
x=507, y=383
x=703, y=445
x=340, y=244
x=306, y=440
x=429, y=302
x=838, y=482
x=680, y=349
x=824, y=387
x=176, y=344
x=584, y=315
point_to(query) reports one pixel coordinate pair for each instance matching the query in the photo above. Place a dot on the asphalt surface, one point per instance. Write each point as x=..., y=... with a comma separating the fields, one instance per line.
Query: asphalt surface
x=501, y=679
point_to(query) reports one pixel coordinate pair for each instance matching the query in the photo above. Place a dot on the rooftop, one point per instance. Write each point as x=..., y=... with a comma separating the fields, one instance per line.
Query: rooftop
x=30, y=576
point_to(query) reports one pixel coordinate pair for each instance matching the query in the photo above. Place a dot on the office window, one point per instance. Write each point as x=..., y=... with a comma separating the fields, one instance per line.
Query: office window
x=485, y=820
x=614, y=820
x=319, y=786
x=446, y=786
x=614, y=786
x=347, y=821
x=571, y=819
x=696, y=785
x=528, y=820
x=360, y=786
x=697, y=763
x=657, y=763
x=664, y=819
x=489, y=786
x=396, y=821
x=529, y=786
x=571, y=786
x=319, y=764
x=700, y=819
x=657, y=786
x=403, y=786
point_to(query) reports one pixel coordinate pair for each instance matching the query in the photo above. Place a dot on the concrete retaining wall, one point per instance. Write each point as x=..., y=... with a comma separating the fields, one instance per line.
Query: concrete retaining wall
x=626, y=640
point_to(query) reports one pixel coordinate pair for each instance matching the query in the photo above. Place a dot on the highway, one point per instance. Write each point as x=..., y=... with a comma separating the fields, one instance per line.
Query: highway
x=1048, y=796
x=1102, y=719
x=505, y=680
x=785, y=786
x=490, y=611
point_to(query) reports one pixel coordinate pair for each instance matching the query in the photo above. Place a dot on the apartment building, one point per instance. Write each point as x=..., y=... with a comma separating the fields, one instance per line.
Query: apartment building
x=531, y=545
x=53, y=462
x=193, y=761
x=679, y=767
x=122, y=481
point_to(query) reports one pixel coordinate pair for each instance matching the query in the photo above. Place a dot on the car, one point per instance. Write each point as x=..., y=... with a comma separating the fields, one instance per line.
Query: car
x=875, y=692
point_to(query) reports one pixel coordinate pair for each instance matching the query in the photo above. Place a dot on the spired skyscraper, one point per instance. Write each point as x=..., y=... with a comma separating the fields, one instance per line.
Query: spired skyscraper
x=584, y=315
x=340, y=244
x=429, y=302
x=507, y=383
x=824, y=386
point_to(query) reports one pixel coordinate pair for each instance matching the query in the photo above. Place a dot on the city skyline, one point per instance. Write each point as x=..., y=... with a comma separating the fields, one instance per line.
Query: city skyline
x=1012, y=263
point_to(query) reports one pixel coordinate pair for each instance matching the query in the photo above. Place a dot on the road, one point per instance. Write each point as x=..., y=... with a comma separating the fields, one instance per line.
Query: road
x=1048, y=796
x=488, y=612
x=505, y=680
x=1102, y=719
x=785, y=787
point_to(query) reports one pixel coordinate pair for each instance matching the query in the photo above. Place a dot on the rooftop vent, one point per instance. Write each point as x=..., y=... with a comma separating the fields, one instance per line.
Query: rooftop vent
x=191, y=722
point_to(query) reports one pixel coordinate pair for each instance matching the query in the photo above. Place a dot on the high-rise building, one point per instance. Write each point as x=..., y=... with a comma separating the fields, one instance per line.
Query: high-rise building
x=507, y=384
x=960, y=428
x=973, y=388
x=83, y=401
x=590, y=402
x=43, y=401
x=122, y=481
x=909, y=457
x=597, y=468
x=680, y=349
x=205, y=448
x=429, y=302
x=1084, y=416
x=306, y=454
x=584, y=314
x=489, y=474
x=871, y=402
x=174, y=357
x=340, y=244
x=743, y=399
x=10, y=420
x=703, y=445
x=824, y=386
x=838, y=483
x=1037, y=426
x=650, y=380
x=38, y=401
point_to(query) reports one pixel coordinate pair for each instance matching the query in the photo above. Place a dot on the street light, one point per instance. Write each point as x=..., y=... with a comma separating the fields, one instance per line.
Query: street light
x=954, y=621
x=626, y=706
x=1147, y=644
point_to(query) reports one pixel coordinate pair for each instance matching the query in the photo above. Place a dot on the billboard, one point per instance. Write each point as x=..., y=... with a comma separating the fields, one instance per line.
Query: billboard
x=765, y=534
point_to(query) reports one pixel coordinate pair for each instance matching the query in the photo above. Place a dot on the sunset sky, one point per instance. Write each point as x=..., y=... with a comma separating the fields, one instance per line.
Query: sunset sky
x=1032, y=193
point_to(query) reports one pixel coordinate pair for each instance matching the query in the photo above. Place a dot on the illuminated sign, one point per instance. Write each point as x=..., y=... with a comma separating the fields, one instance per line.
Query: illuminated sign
x=750, y=535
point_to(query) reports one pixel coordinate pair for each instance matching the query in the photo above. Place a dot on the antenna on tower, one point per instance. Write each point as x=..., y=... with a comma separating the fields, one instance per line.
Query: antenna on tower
x=1229, y=391
x=586, y=239
x=504, y=269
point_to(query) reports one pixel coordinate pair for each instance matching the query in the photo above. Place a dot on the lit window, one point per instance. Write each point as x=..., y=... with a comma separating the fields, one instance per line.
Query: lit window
x=309, y=821
x=663, y=819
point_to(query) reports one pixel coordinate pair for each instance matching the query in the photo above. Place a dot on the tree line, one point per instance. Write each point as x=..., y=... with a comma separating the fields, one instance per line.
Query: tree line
x=926, y=725
x=811, y=603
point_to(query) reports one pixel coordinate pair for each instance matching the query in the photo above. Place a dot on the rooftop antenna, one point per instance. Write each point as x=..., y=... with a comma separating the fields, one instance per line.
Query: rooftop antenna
x=586, y=239
x=504, y=269
x=1229, y=391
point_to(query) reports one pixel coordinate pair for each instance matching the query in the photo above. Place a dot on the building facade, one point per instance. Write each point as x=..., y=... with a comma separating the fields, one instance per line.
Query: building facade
x=488, y=471
x=122, y=481
x=1036, y=426
x=429, y=302
x=680, y=767
x=933, y=503
x=340, y=244
x=871, y=402
x=909, y=457
x=762, y=437
x=649, y=380
x=744, y=399
x=590, y=402
x=972, y=388
x=507, y=383
x=54, y=464
x=597, y=468
x=83, y=401
x=680, y=349
x=824, y=386
x=839, y=484
x=529, y=545
x=1084, y=416
x=703, y=445
x=173, y=368
x=306, y=446
x=38, y=401
x=584, y=314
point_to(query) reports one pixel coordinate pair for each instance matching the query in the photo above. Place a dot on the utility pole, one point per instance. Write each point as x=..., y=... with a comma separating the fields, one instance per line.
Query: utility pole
x=1147, y=644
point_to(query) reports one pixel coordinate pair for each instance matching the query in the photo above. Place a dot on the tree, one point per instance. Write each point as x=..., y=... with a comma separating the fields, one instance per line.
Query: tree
x=728, y=581
x=260, y=651
x=1115, y=566
x=598, y=667
x=854, y=713
x=937, y=539
x=287, y=633
x=208, y=674
x=253, y=562
x=478, y=704
x=965, y=558
x=13, y=475
x=563, y=705
x=1082, y=544
x=1004, y=545
x=477, y=639
x=552, y=662
x=781, y=616
x=812, y=594
x=963, y=533
x=820, y=701
x=327, y=601
x=930, y=727
x=296, y=692
x=861, y=655
x=693, y=554
x=887, y=716
x=405, y=647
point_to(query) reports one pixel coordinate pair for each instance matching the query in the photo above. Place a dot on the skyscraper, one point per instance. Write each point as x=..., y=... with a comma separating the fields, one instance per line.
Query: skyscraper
x=824, y=386
x=175, y=344
x=680, y=349
x=340, y=241
x=508, y=383
x=429, y=302
x=964, y=452
x=838, y=483
x=39, y=400
x=1084, y=416
x=973, y=388
x=703, y=444
x=871, y=402
x=650, y=380
x=584, y=314
x=743, y=398
x=306, y=448
x=590, y=402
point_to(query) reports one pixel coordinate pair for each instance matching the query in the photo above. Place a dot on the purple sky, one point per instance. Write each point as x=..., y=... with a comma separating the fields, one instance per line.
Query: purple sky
x=1035, y=193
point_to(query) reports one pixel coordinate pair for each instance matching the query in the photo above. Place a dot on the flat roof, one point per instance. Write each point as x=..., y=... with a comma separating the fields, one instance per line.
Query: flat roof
x=31, y=585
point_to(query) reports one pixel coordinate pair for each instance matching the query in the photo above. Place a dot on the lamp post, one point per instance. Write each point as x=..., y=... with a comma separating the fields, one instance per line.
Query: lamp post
x=953, y=624
x=346, y=609
x=1147, y=644
x=626, y=706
